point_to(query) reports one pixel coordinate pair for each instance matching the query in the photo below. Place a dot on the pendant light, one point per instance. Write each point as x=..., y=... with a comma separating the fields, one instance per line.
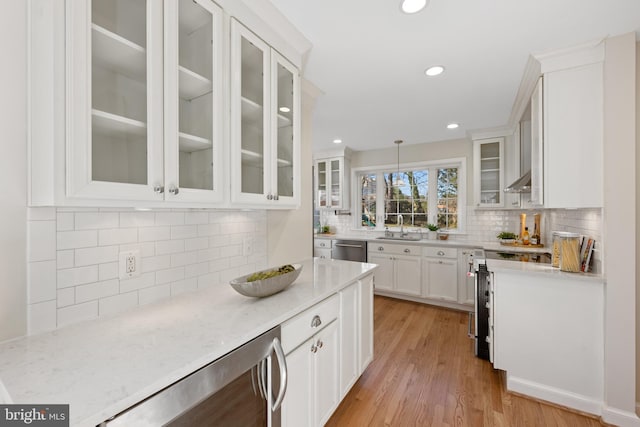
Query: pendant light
x=399, y=182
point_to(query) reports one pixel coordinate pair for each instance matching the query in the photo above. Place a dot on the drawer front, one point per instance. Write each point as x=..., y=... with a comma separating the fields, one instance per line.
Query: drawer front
x=436, y=252
x=300, y=328
x=395, y=249
x=324, y=253
x=322, y=243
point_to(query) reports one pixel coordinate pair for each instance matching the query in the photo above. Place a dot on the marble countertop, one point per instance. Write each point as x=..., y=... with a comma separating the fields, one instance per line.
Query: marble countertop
x=545, y=270
x=103, y=367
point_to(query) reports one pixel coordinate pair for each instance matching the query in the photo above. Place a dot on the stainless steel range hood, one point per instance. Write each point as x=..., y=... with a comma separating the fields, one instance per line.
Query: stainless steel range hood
x=520, y=185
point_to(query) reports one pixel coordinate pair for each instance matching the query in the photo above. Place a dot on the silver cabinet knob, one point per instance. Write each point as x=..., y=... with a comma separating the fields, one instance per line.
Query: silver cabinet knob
x=314, y=349
x=319, y=344
x=276, y=197
x=440, y=253
x=269, y=196
x=315, y=322
x=159, y=189
x=407, y=250
x=381, y=248
x=174, y=190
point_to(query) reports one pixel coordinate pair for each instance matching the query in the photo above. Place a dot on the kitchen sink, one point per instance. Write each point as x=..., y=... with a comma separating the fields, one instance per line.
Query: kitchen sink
x=412, y=238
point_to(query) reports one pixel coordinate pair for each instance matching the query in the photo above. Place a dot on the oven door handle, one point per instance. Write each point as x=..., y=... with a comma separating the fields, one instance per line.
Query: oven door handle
x=282, y=365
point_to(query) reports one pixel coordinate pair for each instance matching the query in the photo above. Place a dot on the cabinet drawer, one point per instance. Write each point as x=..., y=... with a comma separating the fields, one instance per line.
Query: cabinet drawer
x=298, y=329
x=322, y=243
x=388, y=248
x=436, y=252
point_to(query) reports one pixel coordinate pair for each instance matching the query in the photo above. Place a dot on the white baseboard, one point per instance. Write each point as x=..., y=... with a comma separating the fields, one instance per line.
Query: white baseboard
x=555, y=395
x=620, y=418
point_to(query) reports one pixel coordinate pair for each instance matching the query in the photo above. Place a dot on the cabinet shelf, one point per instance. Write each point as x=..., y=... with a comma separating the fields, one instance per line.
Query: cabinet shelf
x=489, y=158
x=192, y=85
x=251, y=157
x=252, y=112
x=114, y=124
x=114, y=52
x=489, y=170
x=189, y=143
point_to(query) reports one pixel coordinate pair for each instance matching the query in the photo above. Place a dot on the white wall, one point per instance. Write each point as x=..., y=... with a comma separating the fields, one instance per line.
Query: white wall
x=637, y=228
x=13, y=169
x=619, y=232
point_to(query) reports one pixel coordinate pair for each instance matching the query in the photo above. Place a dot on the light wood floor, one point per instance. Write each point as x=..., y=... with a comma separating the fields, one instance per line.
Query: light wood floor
x=424, y=373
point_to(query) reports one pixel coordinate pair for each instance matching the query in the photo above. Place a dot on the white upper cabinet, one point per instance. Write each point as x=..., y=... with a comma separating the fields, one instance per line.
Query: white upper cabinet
x=265, y=123
x=488, y=169
x=156, y=103
x=114, y=99
x=193, y=100
x=332, y=180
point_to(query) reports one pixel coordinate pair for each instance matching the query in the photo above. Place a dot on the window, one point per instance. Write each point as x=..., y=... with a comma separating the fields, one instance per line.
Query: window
x=421, y=194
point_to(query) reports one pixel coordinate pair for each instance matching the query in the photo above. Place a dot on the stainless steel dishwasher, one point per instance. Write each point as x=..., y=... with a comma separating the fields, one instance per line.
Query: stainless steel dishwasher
x=349, y=250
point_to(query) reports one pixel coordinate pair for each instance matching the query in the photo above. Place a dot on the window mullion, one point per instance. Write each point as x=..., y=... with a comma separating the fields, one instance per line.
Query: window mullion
x=380, y=205
x=432, y=210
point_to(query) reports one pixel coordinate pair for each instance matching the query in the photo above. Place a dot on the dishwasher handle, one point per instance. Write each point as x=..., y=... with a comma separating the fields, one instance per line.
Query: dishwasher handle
x=282, y=365
x=345, y=245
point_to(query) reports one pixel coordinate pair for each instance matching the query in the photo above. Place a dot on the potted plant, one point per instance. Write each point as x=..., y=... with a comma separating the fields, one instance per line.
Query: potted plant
x=431, y=235
x=507, y=238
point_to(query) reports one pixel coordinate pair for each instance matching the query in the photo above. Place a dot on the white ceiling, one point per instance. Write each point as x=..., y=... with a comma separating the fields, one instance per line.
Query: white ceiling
x=369, y=60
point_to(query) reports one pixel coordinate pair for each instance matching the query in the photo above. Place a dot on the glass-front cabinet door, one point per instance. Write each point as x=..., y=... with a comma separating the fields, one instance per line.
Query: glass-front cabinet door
x=322, y=182
x=193, y=100
x=489, y=171
x=114, y=99
x=285, y=126
x=265, y=105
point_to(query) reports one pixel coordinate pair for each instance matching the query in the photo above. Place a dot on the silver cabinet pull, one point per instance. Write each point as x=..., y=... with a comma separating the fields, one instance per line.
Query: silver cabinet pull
x=314, y=349
x=282, y=365
x=343, y=245
x=269, y=196
x=276, y=197
x=380, y=248
x=174, y=190
x=316, y=321
x=406, y=251
x=319, y=344
x=440, y=253
x=158, y=189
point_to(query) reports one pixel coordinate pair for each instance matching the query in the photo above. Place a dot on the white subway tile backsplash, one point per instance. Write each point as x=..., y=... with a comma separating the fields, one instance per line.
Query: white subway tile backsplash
x=152, y=234
x=184, y=231
x=117, y=303
x=117, y=236
x=96, y=220
x=196, y=218
x=41, y=317
x=145, y=280
x=74, y=267
x=108, y=271
x=154, y=293
x=170, y=275
x=77, y=276
x=97, y=290
x=65, y=221
x=66, y=297
x=97, y=255
x=41, y=240
x=65, y=259
x=77, y=239
x=137, y=219
x=77, y=313
x=42, y=285
x=169, y=218
x=156, y=263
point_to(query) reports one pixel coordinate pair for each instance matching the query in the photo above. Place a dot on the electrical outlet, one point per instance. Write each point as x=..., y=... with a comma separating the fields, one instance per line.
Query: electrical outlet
x=247, y=246
x=129, y=264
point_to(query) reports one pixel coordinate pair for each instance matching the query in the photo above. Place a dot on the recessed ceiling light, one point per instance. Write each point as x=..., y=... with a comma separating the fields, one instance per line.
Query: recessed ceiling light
x=284, y=109
x=453, y=126
x=337, y=141
x=434, y=71
x=413, y=6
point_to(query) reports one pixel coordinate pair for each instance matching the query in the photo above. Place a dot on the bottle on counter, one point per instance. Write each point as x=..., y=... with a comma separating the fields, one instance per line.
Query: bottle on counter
x=535, y=237
x=525, y=236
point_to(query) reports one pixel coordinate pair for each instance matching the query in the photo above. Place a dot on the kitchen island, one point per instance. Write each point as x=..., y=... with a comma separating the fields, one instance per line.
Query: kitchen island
x=103, y=367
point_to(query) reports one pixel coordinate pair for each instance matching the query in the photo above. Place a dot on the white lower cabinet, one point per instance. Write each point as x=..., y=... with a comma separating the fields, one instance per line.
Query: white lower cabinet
x=440, y=273
x=398, y=268
x=322, y=248
x=327, y=347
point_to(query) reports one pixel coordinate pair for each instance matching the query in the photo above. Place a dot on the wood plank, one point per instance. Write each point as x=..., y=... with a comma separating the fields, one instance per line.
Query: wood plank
x=424, y=373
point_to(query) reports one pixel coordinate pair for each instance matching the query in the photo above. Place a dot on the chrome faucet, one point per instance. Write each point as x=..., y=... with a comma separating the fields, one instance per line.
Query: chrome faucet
x=401, y=222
